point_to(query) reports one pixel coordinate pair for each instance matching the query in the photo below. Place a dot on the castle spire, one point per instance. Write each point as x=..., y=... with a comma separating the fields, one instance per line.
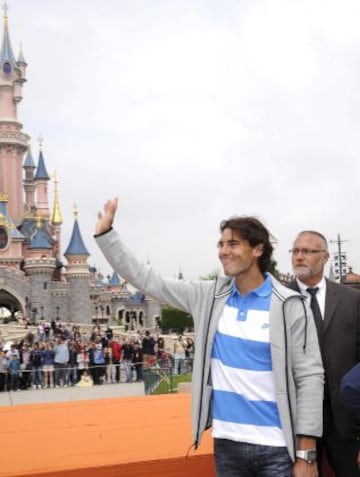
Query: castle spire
x=76, y=245
x=56, y=216
x=41, y=179
x=7, y=57
x=13, y=142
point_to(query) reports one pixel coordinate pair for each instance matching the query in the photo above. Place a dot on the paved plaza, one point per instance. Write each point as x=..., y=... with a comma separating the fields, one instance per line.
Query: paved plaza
x=74, y=393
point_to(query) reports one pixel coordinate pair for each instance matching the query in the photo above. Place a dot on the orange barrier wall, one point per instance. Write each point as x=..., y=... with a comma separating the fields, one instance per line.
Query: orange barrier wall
x=138, y=436
x=135, y=437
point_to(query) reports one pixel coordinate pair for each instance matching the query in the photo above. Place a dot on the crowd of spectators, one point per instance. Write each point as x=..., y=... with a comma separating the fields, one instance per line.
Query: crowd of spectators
x=60, y=355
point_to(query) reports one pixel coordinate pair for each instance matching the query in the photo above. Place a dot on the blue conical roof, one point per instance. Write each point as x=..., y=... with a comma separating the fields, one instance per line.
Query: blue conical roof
x=7, y=220
x=41, y=240
x=114, y=280
x=6, y=54
x=76, y=245
x=21, y=59
x=41, y=172
x=29, y=161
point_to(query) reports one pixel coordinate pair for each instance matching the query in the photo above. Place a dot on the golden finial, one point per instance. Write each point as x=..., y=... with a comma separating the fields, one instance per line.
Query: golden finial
x=4, y=197
x=56, y=217
x=38, y=219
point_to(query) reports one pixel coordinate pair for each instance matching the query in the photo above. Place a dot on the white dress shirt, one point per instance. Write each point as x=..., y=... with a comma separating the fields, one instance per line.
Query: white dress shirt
x=320, y=295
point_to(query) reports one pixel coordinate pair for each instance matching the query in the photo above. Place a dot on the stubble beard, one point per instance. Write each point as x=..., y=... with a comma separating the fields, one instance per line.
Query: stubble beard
x=302, y=272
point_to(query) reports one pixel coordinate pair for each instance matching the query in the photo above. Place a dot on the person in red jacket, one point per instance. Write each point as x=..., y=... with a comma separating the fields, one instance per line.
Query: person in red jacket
x=116, y=349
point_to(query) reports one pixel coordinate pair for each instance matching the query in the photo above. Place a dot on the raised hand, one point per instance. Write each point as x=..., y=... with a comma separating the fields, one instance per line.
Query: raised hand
x=105, y=218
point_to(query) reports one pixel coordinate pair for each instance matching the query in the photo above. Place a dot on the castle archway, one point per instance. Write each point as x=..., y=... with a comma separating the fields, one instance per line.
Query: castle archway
x=10, y=305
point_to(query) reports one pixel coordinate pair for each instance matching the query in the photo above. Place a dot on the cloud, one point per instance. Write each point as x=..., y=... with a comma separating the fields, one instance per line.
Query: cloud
x=191, y=112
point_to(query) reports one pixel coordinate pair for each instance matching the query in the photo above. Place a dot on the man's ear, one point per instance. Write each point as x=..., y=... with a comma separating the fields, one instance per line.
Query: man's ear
x=259, y=250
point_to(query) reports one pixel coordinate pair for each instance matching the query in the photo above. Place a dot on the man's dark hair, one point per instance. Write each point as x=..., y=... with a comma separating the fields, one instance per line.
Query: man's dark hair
x=252, y=230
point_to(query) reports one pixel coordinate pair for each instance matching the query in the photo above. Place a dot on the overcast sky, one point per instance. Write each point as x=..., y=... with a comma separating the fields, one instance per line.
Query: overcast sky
x=192, y=111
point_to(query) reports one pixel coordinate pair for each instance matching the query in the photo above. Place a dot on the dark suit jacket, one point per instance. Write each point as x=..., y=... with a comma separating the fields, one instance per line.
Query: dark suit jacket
x=340, y=349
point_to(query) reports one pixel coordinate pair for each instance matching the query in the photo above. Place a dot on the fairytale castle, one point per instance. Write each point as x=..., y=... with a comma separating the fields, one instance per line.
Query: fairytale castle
x=35, y=281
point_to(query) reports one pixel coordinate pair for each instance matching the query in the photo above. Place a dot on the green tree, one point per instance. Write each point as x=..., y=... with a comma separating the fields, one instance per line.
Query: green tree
x=175, y=319
x=210, y=276
x=273, y=268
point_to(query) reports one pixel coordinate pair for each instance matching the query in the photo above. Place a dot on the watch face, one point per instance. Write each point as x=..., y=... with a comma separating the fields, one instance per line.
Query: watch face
x=311, y=456
x=4, y=239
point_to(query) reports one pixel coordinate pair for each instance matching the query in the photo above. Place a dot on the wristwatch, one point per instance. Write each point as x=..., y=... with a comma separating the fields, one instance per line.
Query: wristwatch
x=309, y=455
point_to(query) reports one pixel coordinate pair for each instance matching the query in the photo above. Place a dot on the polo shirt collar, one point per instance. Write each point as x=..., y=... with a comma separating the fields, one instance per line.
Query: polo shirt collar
x=263, y=290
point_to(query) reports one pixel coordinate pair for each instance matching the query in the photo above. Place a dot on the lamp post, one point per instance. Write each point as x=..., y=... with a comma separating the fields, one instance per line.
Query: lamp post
x=42, y=312
x=57, y=313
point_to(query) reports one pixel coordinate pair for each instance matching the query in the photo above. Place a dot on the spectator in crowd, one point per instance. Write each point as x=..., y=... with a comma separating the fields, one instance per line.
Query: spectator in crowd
x=127, y=356
x=148, y=348
x=48, y=365
x=109, y=363
x=30, y=339
x=4, y=364
x=72, y=366
x=95, y=333
x=85, y=380
x=109, y=333
x=160, y=349
x=41, y=331
x=189, y=353
x=82, y=361
x=97, y=362
x=13, y=351
x=137, y=359
x=36, y=366
x=179, y=355
x=116, y=352
x=61, y=361
x=25, y=366
x=14, y=372
x=47, y=329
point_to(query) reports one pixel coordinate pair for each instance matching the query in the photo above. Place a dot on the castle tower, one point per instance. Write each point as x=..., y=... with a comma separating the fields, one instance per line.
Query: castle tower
x=29, y=184
x=78, y=277
x=13, y=143
x=56, y=222
x=39, y=268
x=41, y=180
x=11, y=239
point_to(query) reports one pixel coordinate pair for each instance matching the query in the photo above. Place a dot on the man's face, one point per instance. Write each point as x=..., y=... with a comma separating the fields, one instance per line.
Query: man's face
x=236, y=254
x=309, y=267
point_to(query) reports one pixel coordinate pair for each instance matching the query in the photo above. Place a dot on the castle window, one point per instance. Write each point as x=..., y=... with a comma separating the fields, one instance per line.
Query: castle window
x=7, y=68
x=4, y=239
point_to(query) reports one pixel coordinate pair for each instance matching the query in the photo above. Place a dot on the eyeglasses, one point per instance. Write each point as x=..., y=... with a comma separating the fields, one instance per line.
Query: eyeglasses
x=305, y=251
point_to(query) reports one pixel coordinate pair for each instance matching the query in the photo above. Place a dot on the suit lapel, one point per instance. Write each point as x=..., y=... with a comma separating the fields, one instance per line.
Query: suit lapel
x=331, y=302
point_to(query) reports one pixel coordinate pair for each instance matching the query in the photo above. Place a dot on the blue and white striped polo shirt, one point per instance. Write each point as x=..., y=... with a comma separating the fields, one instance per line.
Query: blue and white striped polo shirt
x=244, y=404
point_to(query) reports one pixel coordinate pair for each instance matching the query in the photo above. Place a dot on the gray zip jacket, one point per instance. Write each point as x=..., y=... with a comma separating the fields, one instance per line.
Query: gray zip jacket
x=296, y=360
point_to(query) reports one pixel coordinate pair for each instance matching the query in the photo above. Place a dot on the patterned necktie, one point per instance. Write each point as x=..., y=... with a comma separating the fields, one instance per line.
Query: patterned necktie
x=314, y=304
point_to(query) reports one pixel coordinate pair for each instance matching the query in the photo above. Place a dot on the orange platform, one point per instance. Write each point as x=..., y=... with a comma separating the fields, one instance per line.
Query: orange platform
x=137, y=436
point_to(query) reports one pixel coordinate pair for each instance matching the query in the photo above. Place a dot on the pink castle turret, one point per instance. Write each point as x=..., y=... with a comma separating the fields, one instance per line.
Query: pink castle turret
x=13, y=143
